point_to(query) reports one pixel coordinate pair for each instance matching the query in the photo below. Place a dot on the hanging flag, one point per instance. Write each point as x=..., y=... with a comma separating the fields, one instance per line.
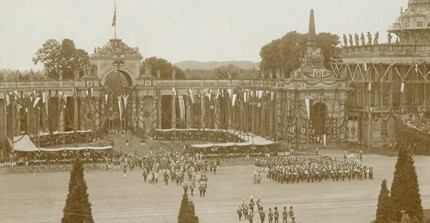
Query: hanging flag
x=125, y=102
x=402, y=87
x=120, y=108
x=191, y=96
x=272, y=95
x=181, y=107
x=92, y=92
x=244, y=97
x=7, y=98
x=416, y=68
x=114, y=17
x=307, y=102
x=233, y=101
x=106, y=98
x=43, y=97
x=365, y=67
x=230, y=92
x=36, y=101
x=370, y=86
x=217, y=94
x=174, y=91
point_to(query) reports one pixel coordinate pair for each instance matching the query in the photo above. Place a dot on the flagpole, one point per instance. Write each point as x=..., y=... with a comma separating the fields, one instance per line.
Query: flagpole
x=115, y=20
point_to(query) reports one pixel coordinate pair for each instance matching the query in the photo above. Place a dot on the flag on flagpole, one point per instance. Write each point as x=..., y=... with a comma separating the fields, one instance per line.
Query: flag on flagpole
x=114, y=17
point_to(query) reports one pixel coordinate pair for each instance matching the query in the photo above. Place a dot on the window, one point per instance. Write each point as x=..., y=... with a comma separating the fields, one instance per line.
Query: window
x=420, y=24
x=384, y=128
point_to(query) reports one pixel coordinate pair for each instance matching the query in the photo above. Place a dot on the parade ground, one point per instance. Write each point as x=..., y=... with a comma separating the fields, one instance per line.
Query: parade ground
x=41, y=197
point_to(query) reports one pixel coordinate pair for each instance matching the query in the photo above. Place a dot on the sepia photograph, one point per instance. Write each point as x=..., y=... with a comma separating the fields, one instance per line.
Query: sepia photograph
x=199, y=111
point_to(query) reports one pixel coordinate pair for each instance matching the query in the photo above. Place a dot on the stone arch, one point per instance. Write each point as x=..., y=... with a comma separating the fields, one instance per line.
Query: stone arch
x=318, y=115
x=131, y=81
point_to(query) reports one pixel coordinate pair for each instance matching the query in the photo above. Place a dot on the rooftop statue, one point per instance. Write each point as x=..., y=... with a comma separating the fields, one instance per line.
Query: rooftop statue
x=351, y=43
x=376, y=41
x=345, y=40
x=363, y=40
x=369, y=38
x=357, y=40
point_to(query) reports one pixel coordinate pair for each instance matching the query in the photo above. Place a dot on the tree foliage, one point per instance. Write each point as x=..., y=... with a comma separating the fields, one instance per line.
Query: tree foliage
x=62, y=60
x=285, y=53
x=78, y=206
x=383, y=212
x=228, y=72
x=164, y=67
x=186, y=212
x=405, y=193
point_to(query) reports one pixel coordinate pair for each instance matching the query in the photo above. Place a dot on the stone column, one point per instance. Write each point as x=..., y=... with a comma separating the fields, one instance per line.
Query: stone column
x=75, y=114
x=173, y=111
x=159, y=117
x=217, y=114
x=189, y=113
x=279, y=117
x=271, y=120
x=202, y=112
x=3, y=126
x=141, y=114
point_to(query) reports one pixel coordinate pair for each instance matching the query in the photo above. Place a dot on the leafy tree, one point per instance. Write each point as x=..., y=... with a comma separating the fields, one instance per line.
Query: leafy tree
x=229, y=71
x=78, y=207
x=163, y=66
x=383, y=212
x=62, y=59
x=405, y=193
x=186, y=212
x=285, y=53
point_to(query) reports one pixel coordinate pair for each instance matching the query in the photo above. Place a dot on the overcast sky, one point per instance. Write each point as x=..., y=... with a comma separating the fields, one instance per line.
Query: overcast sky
x=177, y=30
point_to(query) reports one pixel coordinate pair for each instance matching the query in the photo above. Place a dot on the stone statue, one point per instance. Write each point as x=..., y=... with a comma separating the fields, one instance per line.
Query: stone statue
x=369, y=38
x=376, y=41
x=148, y=71
x=95, y=50
x=357, y=41
x=228, y=74
x=363, y=40
x=351, y=43
x=345, y=40
x=262, y=75
x=173, y=74
x=278, y=73
x=389, y=38
x=158, y=74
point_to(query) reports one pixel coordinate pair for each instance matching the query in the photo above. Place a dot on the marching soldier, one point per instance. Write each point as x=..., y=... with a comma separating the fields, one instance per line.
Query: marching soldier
x=276, y=215
x=270, y=214
x=239, y=212
x=284, y=215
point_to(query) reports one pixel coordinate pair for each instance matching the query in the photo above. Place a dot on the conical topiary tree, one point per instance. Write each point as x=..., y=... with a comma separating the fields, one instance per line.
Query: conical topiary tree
x=383, y=213
x=186, y=211
x=78, y=207
x=405, y=194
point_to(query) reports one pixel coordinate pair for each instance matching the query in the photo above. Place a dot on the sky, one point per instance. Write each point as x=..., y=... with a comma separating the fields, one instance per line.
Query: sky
x=178, y=30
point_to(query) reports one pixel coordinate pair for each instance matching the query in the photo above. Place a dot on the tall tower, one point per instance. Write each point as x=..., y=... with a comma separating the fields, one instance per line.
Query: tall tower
x=413, y=24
